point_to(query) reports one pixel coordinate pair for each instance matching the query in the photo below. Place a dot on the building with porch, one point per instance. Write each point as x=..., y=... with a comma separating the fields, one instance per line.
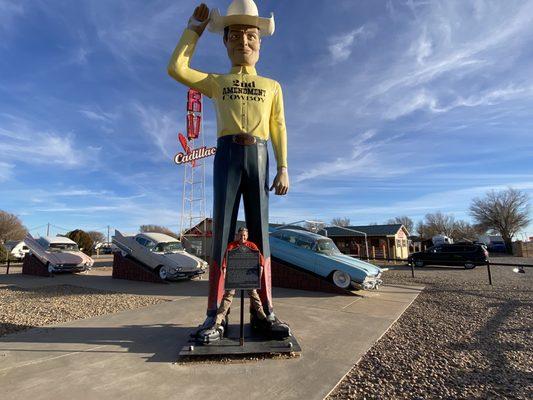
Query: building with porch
x=384, y=241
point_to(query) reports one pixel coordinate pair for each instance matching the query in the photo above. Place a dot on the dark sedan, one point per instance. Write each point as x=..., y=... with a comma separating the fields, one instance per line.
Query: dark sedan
x=466, y=255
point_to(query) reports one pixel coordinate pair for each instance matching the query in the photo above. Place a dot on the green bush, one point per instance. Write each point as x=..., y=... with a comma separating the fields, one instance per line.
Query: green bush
x=84, y=241
x=3, y=254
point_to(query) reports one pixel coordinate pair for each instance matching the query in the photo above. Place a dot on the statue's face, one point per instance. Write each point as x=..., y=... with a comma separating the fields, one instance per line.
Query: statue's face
x=243, y=43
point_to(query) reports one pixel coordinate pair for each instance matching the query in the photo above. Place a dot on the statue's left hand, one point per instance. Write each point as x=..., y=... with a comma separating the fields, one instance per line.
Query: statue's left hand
x=281, y=182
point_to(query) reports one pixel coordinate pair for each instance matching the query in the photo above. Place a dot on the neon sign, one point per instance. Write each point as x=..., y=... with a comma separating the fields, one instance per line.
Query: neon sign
x=194, y=123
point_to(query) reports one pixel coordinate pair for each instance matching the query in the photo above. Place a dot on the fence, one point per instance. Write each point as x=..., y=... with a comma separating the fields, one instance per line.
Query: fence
x=523, y=249
x=10, y=264
x=518, y=267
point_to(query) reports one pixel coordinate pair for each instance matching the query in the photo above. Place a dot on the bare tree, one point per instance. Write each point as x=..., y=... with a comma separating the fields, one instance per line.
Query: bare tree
x=97, y=237
x=338, y=221
x=463, y=230
x=505, y=211
x=11, y=227
x=159, y=229
x=404, y=220
x=436, y=224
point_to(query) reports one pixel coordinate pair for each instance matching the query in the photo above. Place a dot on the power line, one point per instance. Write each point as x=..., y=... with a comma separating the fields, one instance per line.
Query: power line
x=37, y=227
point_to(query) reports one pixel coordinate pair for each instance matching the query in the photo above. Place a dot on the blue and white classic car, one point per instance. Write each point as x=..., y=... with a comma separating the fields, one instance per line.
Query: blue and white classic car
x=318, y=254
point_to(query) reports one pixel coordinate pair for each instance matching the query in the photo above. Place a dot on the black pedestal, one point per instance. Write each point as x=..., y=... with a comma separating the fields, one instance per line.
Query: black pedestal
x=229, y=346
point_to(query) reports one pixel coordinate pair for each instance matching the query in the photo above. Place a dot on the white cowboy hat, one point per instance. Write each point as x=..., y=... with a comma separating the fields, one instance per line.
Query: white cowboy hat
x=241, y=12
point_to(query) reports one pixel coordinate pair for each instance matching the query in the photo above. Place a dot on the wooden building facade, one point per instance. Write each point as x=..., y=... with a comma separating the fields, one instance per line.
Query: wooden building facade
x=384, y=241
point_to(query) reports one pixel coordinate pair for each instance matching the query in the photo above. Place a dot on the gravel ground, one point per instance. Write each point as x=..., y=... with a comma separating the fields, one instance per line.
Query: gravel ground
x=460, y=339
x=22, y=309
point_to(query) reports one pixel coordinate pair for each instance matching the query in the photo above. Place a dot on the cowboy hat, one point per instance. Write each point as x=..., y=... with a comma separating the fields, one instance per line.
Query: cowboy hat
x=241, y=12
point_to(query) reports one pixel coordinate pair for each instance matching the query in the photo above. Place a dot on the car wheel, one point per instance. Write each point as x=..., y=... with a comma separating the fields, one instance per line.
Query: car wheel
x=163, y=272
x=341, y=279
x=50, y=268
x=470, y=265
x=419, y=263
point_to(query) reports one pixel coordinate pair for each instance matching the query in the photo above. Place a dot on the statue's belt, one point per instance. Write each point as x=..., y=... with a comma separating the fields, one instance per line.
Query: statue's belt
x=244, y=139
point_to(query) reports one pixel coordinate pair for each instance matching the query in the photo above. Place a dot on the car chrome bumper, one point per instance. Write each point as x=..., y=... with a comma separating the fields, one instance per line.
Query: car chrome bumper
x=370, y=283
x=70, y=268
x=185, y=274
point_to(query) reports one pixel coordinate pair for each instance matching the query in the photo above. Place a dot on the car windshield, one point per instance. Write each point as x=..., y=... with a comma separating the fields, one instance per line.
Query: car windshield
x=327, y=246
x=168, y=247
x=59, y=247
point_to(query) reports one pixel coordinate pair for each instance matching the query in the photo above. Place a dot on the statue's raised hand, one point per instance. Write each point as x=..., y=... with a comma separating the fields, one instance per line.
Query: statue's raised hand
x=199, y=19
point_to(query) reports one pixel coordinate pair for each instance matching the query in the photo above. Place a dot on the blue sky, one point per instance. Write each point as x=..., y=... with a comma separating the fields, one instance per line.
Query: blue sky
x=392, y=107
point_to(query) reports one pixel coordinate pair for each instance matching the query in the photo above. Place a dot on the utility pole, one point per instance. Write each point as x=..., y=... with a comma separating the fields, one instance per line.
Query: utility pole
x=48, y=229
x=107, y=233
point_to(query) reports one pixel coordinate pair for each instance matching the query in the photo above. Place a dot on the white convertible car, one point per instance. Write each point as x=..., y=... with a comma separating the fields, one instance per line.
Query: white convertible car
x=59, y=254
x=162, y=253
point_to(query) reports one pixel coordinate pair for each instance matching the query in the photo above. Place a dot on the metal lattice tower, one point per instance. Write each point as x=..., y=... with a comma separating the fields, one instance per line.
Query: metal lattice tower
x=193, y=206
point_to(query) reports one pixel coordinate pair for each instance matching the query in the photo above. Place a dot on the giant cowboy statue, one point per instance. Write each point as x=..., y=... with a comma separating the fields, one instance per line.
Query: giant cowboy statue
x=249, y=112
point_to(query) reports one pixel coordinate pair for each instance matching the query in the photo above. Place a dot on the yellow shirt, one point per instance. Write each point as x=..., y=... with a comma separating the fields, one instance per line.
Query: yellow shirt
x=244, y=101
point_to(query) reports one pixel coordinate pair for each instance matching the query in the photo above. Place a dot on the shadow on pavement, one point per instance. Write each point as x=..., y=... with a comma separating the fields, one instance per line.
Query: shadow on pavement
x=159, y=343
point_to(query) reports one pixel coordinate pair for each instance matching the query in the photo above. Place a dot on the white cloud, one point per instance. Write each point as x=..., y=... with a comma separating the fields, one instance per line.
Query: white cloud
x=493, y=97
x=143, y=29
x=9, y=11
x=340, y=47
x=6, y=171
x=22, y=143
x=363, y=160
x=424, y=100
x=80, y=56
x=420, y=100
x=161, y=127
x=471, y=49
x=422, y=48
x=96, y=114
x=82, y=209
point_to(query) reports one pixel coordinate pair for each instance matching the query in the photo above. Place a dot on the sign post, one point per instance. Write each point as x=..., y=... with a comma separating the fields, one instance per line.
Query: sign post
x=243, y=272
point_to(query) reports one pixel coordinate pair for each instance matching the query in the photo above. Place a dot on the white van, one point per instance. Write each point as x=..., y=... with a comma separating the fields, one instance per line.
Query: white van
x=17, y=248
x=441, y=239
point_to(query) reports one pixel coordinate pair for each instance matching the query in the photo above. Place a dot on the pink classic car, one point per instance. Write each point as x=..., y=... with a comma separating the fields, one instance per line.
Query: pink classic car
x=59, y=254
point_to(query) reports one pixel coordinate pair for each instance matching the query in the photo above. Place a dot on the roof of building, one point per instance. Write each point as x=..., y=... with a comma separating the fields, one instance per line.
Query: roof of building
x=302, y=231
x=11, y=244
x=370, y=230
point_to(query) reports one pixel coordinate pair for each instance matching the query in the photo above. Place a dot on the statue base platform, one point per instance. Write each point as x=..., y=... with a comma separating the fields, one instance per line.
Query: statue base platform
x=286, y=275
x=33, y=266
x=229, y=347
x=133, y=270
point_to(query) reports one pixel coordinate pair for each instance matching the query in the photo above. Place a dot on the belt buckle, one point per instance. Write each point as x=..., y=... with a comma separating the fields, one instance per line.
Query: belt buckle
x=244, y=139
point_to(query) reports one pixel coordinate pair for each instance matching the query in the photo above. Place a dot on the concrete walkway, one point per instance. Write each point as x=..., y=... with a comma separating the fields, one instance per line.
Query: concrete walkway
x=131, y=355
